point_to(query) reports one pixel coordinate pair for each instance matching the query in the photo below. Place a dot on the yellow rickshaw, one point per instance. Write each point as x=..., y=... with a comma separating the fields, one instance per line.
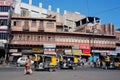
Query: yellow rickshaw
x=69, y=61
x=116, y=62
x=46, y=62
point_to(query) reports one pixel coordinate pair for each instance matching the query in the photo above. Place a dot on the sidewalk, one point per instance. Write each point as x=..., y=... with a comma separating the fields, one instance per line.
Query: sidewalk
x=4, y=66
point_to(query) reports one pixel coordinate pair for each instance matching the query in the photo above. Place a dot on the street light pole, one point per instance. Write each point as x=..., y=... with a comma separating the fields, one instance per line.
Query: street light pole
x=93, y=47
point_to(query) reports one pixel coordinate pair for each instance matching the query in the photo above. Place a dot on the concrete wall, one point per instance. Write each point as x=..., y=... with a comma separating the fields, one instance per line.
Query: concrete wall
x=34, y=11
x=70, y=18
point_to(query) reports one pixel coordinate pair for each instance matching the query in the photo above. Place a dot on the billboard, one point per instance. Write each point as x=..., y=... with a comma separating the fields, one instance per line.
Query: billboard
x=84, y=46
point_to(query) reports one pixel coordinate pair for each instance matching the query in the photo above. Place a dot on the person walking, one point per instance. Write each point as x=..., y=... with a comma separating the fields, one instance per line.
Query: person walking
x=27, y=66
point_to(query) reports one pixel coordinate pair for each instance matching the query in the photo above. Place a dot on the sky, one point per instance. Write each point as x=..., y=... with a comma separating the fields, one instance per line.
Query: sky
x=107, y=10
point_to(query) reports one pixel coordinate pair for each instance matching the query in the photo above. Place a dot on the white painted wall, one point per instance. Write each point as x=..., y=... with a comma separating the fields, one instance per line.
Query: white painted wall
x=41, y=13
x=4, y=13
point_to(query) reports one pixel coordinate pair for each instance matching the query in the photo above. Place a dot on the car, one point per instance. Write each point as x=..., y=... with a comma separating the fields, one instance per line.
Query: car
x=22, y=60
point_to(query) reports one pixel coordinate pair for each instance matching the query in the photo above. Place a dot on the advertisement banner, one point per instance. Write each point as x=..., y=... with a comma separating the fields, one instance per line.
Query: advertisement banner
x=26, y=51
x=86, y=52
x=49, y=46
x=49, y=51
x=37, y=50
x=77, y=52
x=13, y=50
x=84, y=46
x=68, y=51
x=17, y=54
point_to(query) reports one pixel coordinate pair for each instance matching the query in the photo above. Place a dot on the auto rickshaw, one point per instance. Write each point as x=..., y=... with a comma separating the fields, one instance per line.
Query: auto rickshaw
x=46, y=62
x=116, y=62
x=70, y=62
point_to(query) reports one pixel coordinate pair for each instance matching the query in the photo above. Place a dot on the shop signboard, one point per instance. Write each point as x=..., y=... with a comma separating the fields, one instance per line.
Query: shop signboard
x=84, y=46
x=75, y=47
x=117, y=48
x=26, y=51
x=117, y=51
x=37, y=50
x=100, y=51
x=13, y=50
x=49, y=51
x=77, y=52
x=86, y=52
x=68, y=51
x=17, y=54
x=49, y=46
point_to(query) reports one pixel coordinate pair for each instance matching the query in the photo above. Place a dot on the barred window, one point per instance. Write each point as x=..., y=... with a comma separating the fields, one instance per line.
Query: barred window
x=50, y=25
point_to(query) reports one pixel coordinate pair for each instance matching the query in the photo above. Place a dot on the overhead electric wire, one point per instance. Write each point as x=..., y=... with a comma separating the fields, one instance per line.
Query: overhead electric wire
x=88, y=8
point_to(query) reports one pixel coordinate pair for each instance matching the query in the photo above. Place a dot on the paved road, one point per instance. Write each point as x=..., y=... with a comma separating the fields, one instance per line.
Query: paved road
x=80, y=74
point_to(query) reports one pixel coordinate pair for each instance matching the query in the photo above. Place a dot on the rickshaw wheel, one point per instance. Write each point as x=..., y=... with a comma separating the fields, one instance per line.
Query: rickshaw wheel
x=73, y=68
x=50, y=70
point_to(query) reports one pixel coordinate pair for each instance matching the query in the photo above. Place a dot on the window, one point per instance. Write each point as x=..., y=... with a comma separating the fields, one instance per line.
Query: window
x=49, y=38
x=16, y=23
x=19, y=37
x=3, y=36
x=33, y=24
x=4, y=8
x=4, y=21
x=26, y=24
x=41, y=25
x=24, y=12
x=78, y=24
x=50, y=25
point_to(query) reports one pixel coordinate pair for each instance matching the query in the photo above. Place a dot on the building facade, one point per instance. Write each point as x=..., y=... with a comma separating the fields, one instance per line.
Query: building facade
x=40, y=34
x=38, y=30
x=117, y=32
x=5, y=6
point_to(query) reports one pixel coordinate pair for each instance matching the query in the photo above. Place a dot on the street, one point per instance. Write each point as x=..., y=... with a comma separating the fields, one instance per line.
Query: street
x=16, y=73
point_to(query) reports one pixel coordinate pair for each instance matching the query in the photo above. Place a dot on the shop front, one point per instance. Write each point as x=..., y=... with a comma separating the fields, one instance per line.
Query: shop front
x=102, y=54
x=85, y=48
x=14, y=55
x=2, y=50
x=82, y=50
x=117, y=50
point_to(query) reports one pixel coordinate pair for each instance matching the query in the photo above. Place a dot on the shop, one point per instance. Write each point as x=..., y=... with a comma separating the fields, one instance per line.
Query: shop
x=85, y=48
x=2, y=50
x=101, y=54
x=117, y=50
x=14, y=55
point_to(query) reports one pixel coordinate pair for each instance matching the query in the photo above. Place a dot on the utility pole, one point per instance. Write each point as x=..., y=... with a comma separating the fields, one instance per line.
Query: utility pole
x=93, y=37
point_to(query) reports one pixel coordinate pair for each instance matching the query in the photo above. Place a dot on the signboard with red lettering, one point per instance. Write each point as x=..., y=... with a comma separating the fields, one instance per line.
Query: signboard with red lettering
x=84, y=46
x=86, y=51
